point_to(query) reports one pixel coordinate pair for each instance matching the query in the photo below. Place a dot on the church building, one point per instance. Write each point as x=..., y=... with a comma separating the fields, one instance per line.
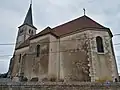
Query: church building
x=79, y=50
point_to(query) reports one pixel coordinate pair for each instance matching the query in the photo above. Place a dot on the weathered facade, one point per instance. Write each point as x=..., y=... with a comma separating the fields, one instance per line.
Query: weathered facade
x=80, y=50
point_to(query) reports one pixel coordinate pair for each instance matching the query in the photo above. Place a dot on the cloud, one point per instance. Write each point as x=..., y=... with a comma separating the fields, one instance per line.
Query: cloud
x=52, y=13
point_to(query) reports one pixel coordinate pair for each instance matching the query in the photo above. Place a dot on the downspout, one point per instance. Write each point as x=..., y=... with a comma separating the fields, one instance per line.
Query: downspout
x=59, y=59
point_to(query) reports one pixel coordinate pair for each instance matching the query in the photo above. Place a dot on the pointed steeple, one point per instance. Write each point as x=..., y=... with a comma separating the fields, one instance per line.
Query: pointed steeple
x=27, y=29
x=28, y=19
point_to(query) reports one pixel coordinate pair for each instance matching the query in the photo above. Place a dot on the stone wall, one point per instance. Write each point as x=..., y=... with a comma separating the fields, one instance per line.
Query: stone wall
x=26, y=64
x=58, y=86
x=104, y=64
x=75, y=57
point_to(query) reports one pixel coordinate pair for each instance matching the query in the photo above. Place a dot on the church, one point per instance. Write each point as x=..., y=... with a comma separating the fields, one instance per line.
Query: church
x=78, y=50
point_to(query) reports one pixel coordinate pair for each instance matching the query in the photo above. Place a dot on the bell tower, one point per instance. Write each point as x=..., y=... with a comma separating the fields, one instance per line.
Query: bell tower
x=27, y=29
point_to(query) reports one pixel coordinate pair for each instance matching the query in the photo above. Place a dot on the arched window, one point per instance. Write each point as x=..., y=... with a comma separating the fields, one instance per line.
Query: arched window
x=99, y=42
x=32, y=32
x=38, y=50
x=29, y=30
x=19, y=58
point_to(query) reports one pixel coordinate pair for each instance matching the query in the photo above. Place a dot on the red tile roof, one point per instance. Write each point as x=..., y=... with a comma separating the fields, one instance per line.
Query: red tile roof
x=43, y=32
x=79, y=23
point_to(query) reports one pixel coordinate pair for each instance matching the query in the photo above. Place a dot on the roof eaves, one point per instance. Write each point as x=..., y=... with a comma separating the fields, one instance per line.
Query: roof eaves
x=95, y=21
x=109, y=31
x=21, y=47
x=28, y=25
x=43, y=35
x=84, y=29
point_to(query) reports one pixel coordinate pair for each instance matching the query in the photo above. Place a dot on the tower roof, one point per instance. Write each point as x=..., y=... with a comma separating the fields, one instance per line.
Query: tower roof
x=28, y=19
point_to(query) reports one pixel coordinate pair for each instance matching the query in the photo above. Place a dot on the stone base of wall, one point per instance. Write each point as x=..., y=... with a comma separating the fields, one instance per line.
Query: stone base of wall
x=58, y=86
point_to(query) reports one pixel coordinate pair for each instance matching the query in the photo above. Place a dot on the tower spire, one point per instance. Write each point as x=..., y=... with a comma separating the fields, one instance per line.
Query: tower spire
x=28, y=19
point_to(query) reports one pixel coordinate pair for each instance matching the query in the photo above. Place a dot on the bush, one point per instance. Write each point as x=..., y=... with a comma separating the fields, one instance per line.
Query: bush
x=61, y=80
x=3, y=75
x=45, y=79
x=35, y=79
x=52, y=79
x=24, y=79
x=102, y=80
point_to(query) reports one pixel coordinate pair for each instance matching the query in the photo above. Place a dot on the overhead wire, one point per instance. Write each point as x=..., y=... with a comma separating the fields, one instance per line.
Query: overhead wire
x=57, y=41
x=53, y=42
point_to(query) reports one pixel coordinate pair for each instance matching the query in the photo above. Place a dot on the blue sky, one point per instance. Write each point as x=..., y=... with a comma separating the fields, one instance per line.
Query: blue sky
x=52, y=13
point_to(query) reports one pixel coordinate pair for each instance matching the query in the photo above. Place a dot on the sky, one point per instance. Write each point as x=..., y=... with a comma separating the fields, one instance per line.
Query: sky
x=52, y=13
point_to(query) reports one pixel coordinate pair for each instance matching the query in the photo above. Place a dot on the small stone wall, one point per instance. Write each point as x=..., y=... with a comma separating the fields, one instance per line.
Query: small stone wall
x=58, y=86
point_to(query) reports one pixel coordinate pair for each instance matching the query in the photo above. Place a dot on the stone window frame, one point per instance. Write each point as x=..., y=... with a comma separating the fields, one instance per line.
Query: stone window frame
x=99, y=44
x=29, y=31
x=20, y=58
x=32, y=32
x=38, y=50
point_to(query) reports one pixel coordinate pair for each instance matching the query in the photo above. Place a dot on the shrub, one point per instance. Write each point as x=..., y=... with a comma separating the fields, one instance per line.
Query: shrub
x=24, y=79
x=52, y=79
x=45, y=79
x=34, y=79
x=61, y=80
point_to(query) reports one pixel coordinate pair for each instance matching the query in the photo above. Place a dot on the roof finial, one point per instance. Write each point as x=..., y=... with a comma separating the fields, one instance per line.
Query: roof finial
x=31, y=2
x=84, y=10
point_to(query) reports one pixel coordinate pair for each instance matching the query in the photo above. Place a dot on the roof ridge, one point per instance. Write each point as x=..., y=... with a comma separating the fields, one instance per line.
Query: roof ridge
x=95, y=21
x=84, y=16
x=67, y=22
